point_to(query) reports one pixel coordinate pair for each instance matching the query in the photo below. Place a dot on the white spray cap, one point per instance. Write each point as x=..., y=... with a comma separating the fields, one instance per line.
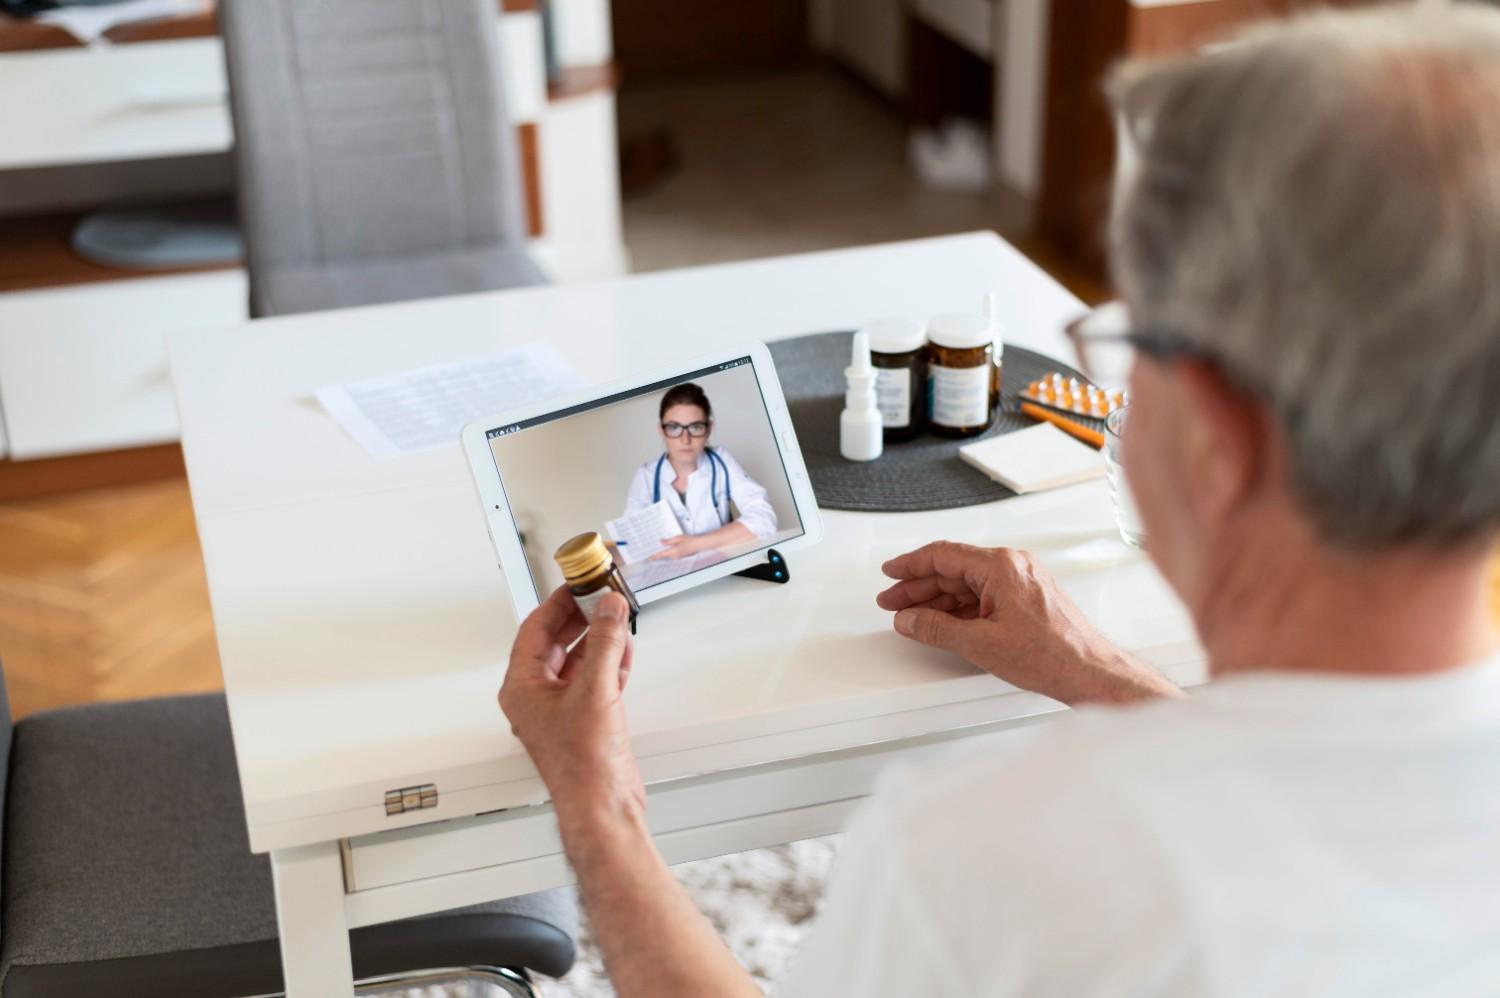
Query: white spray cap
x=859, y=357
x=992, y=322
x=860, y=375
x=861, y=428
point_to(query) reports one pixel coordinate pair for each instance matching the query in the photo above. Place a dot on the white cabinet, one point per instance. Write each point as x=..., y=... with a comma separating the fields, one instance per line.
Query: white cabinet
x=582, y=28
x=83, y=368
x=583, y=239
x=140, y=101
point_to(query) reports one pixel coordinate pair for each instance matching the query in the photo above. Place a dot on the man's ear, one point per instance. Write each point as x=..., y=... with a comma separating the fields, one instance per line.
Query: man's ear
x=1224, y=433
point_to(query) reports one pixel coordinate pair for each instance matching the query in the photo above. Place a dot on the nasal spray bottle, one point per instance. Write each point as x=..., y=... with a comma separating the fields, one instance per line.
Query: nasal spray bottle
x=860, y=428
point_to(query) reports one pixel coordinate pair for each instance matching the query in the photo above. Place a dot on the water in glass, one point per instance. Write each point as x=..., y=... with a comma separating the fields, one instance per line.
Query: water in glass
x=1126, y=515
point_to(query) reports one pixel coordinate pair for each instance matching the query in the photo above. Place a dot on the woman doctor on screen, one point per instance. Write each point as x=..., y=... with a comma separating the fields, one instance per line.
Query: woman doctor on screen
x=715, y=502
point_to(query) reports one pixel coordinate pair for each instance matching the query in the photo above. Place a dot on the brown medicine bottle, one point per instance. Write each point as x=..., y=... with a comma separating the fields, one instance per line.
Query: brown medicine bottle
x=590, y=571
x=898, y=351
x=963, y=375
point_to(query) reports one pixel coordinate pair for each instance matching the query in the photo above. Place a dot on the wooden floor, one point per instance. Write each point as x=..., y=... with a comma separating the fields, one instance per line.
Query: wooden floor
x=102, y=597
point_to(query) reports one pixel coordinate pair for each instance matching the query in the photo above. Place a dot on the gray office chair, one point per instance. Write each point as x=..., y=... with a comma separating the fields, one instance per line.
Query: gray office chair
x=127, y=872
x=375, y=157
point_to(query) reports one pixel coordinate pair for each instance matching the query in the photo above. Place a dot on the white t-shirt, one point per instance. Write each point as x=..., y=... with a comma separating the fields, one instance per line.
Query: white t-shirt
x=1276, y=834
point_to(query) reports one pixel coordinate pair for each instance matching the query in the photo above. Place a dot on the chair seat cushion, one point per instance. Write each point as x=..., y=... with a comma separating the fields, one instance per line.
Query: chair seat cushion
x=128, y=870
x=347, y=283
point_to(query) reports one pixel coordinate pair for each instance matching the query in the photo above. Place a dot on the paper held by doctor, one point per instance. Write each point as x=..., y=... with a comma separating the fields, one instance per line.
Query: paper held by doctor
x=639, y=535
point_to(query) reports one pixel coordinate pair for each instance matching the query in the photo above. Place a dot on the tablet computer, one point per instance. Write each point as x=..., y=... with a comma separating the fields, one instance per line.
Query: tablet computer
x=689, y=472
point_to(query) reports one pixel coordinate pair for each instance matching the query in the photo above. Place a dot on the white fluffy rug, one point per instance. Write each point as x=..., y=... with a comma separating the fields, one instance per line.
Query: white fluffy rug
x=761, y=903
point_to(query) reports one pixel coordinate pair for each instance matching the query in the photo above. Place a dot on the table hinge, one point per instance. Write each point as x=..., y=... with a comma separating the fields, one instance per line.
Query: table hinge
x=411, y=798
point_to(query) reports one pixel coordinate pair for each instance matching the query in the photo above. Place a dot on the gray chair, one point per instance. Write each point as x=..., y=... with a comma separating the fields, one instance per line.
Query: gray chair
x=375, y=157
x=127, y=871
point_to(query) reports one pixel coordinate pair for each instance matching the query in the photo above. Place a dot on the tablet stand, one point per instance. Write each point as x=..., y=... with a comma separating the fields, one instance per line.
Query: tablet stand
x=774, y=570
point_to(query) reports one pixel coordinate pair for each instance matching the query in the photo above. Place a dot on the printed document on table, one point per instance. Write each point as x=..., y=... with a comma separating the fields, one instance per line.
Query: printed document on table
x=639, y=534
x=427, y=407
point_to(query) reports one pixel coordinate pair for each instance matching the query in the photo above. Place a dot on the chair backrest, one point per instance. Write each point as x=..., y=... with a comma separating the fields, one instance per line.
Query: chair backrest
x=7, y=729
x=369, y=129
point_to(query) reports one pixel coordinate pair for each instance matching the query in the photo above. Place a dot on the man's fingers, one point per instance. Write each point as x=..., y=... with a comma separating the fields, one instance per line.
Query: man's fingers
x=952, y=605
x=605, y=647
x=942, y=630
x=958, y=606
x=913, y=592
x=574, y=627
x=626, y=662
x=946, y=602
x=545, y=628
x=955, y=561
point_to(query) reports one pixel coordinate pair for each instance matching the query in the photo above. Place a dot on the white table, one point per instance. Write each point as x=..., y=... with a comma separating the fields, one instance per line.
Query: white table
x=364, y=626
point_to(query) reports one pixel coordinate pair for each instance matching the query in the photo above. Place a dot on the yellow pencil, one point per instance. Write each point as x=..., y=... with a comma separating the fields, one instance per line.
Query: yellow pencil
x=1088, y=436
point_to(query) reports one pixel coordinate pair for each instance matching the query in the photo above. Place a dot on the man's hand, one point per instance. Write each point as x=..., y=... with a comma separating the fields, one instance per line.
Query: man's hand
x=1002, y=611
x=566, y=708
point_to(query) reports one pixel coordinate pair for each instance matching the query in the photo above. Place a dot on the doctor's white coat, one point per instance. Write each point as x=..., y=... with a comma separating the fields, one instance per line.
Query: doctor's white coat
x=703, y=513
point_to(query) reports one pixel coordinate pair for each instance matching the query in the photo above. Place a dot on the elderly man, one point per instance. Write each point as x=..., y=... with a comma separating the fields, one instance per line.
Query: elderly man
x=1308, y=242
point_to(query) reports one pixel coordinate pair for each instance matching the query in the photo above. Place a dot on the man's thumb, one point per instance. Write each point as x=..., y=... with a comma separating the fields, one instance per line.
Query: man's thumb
x=937, y=628
x=605, y=645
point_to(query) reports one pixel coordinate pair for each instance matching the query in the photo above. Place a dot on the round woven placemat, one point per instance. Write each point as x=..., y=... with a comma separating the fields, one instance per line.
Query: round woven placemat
x=921, y=474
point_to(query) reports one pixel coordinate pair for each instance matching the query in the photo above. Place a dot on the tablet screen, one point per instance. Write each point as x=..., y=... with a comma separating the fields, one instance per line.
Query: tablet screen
x=676, y=476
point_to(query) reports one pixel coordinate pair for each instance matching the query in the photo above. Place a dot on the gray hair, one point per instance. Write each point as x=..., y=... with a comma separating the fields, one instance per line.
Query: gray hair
x=1317, y=208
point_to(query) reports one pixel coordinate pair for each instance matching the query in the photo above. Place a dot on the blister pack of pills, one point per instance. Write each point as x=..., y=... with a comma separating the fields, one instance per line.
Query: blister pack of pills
x=1073, y=396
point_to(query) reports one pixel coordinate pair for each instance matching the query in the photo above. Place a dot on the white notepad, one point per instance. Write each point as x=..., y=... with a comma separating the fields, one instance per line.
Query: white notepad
x=1034, y=459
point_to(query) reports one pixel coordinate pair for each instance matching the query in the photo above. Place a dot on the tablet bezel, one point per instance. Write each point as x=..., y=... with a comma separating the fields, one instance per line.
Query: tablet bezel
x=502, y=526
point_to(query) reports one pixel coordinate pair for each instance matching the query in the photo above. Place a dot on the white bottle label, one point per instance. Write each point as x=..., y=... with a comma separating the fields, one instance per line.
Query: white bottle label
x=893, y=396
x=959, y=397
x=588, y=602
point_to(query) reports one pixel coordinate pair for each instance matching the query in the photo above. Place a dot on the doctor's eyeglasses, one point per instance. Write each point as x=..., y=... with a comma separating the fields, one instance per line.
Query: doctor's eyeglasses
x=695, y=430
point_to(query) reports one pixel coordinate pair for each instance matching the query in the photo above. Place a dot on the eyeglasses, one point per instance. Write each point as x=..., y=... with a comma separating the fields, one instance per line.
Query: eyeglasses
x=1107, y=346
x=694, y=430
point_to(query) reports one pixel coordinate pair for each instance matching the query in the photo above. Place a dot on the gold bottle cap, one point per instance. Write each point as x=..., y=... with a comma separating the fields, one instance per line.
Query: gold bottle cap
x=583, y=556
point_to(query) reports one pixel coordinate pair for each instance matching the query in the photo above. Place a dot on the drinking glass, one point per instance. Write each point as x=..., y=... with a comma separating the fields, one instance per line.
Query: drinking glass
x=1127, y=516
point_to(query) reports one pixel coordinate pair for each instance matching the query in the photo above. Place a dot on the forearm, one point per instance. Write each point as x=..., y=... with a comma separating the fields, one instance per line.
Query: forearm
x=732, y=533
x=1110, y=675
x=654, y=940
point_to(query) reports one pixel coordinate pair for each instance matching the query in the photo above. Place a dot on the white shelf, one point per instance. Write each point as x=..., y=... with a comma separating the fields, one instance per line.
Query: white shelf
x=91, y=105
x=156, y=100
x=84, y=368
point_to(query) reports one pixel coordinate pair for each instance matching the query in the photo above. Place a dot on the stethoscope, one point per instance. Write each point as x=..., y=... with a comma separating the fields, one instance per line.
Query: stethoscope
x=714, y=463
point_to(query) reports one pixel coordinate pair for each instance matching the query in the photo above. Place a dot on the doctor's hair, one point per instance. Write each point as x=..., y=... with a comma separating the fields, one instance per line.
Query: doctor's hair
x=686, y=393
